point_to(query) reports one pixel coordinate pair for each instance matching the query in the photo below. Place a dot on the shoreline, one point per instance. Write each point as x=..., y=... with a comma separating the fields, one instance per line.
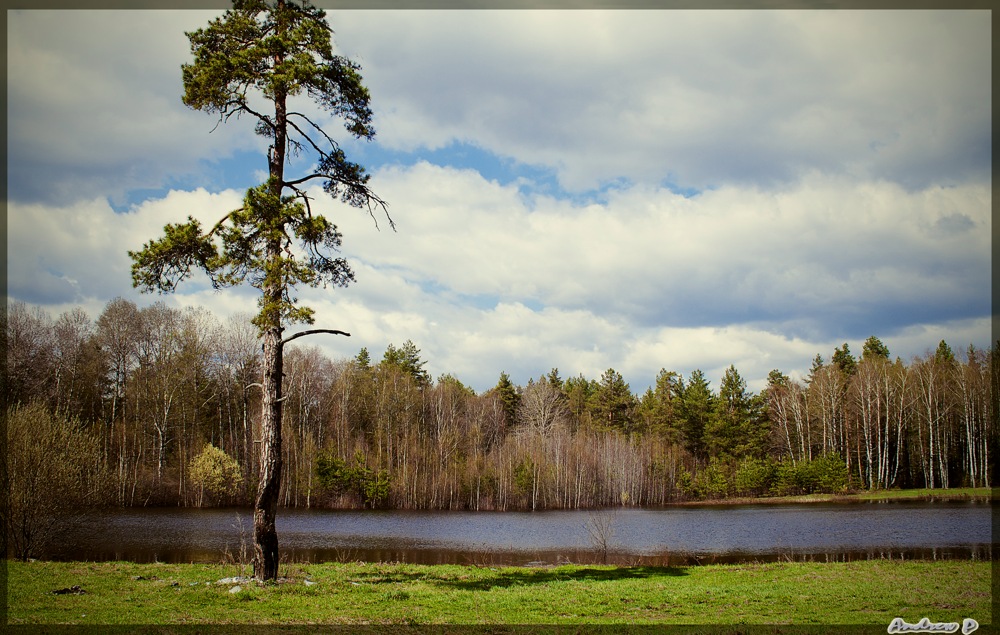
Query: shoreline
x=979, y=494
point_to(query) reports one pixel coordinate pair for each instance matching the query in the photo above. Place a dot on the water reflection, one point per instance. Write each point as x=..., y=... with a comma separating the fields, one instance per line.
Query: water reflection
x=675, y=536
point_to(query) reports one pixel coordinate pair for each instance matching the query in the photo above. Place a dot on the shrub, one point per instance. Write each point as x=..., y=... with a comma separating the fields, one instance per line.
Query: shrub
x=55, y=476
x=216, y=472
x=826, y=474
x=371, y=486
x=753, y=477
x=713, y=480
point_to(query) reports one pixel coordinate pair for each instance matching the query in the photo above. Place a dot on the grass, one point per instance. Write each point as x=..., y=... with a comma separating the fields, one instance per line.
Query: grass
x=940, y=494
x=869, y=592
x=955, y=493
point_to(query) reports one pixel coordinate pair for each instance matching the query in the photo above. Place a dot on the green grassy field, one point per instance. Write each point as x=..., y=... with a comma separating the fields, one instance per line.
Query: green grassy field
x=865, y=592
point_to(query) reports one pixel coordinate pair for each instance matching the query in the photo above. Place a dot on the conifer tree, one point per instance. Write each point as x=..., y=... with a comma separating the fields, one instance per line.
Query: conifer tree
x=509, y=397
x=697, y=403
x=275, y=50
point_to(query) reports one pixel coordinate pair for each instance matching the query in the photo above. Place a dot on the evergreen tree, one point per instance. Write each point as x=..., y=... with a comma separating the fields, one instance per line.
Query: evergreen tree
x=817, y=366
x=663, y=404
x=579, y=391
x=363, y=360
x=843, y=360
x=613, y=404
x=407, y=359
x=274, y=51
x=509, y=397
x=944, y=354
x=554, y=379
x=874, y=348
x=697, y=403
x=735, y=429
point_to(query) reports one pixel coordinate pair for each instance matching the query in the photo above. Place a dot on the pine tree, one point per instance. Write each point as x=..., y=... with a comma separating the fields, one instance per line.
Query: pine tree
x=874, y=348
x=509, y=397
x=278, y=51
x=697, y=403
x=843, y=360
x=613, y=403
x=736, y=428
x=407, y=359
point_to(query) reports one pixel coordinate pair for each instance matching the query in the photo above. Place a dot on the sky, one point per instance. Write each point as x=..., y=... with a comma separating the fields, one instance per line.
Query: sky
x=584, y=190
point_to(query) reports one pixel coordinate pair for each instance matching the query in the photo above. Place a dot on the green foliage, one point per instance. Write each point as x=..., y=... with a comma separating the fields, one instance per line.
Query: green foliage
x=685, y=483
x=737, y=426
x=944, y=354
x=612, y=404
x=579, y=390
x=713, y=480
x=363, y=360
x=215, y=472
x=826, y=474
x=843, y=360
x=697, y=403
x=372, y=486
x=54, y=475
x=162, y=264
x=524, y=476
x=407, y=359
x=874, y=348
x=753, y=477
x=276, y=51
x=509, y=397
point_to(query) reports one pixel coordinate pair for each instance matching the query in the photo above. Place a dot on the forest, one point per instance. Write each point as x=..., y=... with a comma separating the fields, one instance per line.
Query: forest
x=162, y=406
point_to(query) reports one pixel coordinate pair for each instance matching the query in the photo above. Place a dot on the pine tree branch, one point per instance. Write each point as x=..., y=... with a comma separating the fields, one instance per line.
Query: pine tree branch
x=313, y=332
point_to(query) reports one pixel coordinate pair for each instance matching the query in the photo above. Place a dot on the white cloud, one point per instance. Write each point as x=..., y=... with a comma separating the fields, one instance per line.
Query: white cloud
x=847, y=154
x=78, y=253
x=825, y=249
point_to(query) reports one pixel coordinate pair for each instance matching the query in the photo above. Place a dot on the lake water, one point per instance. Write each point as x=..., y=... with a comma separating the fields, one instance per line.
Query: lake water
x=664, y=536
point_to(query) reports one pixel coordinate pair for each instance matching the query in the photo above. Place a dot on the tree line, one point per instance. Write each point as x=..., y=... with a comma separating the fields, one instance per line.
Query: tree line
x=167, y=403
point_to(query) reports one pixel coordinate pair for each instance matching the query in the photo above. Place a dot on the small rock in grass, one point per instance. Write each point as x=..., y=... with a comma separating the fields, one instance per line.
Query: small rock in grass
x=235, y=580
x=235, y=589
x=309, y=583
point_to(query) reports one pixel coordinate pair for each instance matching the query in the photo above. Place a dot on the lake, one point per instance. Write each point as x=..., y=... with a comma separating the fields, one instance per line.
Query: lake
x=661, y=536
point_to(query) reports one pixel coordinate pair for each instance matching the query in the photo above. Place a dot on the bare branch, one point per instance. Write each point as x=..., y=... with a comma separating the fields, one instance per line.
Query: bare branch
x=223, y=220
x=329, y=139
x=313, y=332
x=308, y=138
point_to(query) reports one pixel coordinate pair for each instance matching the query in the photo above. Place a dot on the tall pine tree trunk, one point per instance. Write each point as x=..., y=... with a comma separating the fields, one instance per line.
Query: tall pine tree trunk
x=266, y=556
x=265, y=565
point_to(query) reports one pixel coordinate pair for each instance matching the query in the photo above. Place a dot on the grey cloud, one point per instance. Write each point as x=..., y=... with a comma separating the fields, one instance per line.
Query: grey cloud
x=706, y=97
x=94, y=105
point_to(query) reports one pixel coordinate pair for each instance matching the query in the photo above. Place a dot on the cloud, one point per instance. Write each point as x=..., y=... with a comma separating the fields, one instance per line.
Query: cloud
x=695, y=98
x=77, y=254
x=824, y=255
x=95, y=98
x=834, y=170
x=483, y=278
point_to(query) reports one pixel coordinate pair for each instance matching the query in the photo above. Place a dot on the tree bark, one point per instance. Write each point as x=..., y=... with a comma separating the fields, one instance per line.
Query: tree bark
x=266, y=557
x=265, y=565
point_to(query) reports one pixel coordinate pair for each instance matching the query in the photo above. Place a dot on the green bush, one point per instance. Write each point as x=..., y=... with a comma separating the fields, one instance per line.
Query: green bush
x=823, y=475
x=215, y=472
x=829, y=474
x=713, y=480
x=371, y=486
x=686, y=484
x=753, y=477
